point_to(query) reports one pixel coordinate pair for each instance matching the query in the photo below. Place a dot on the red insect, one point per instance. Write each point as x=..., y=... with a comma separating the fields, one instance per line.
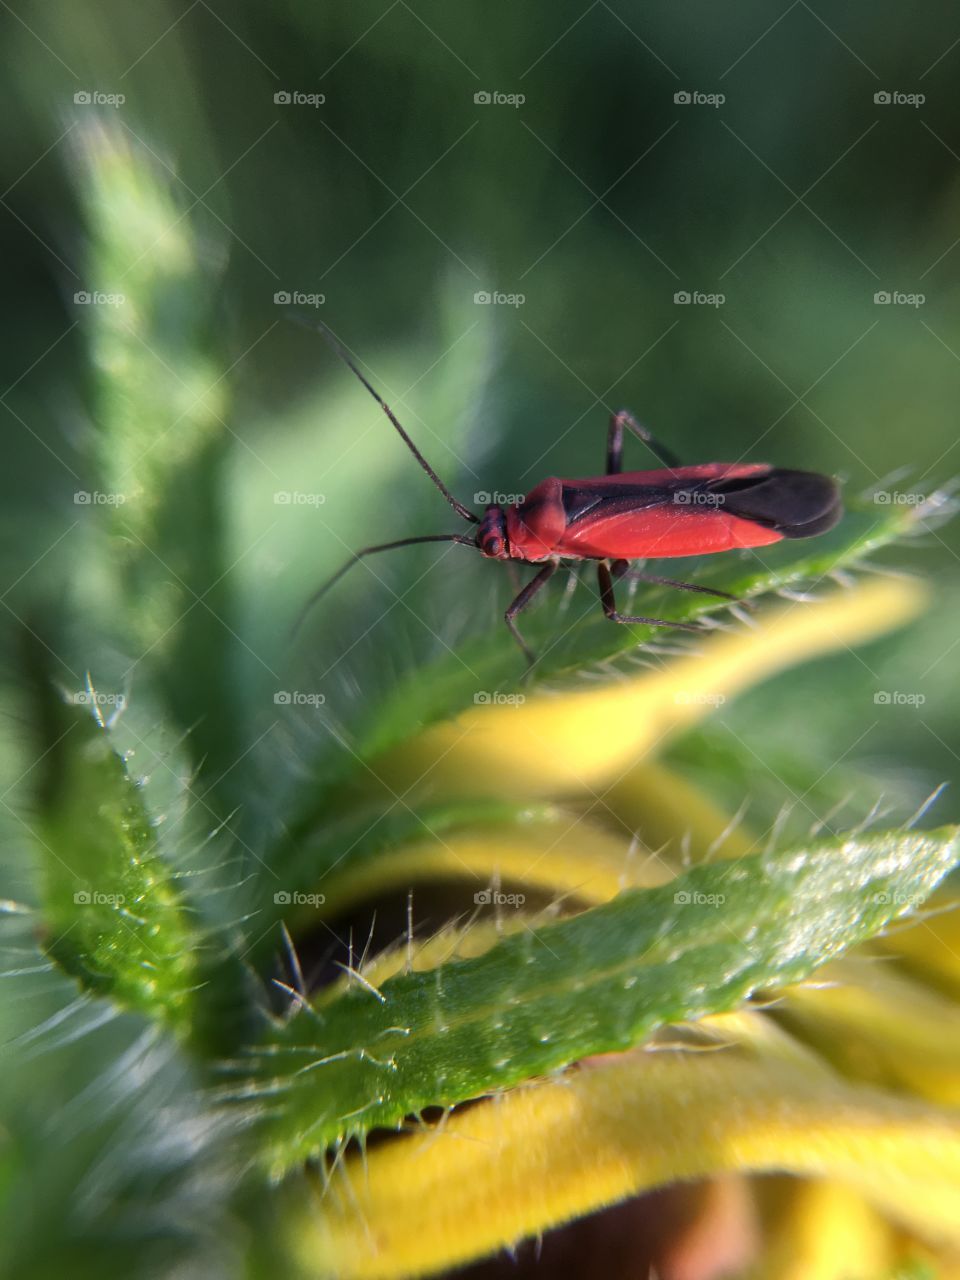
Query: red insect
x=628, y=515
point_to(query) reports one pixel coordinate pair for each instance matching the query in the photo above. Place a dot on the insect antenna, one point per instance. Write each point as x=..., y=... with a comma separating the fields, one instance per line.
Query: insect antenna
x=334, y=343
x=369, y=551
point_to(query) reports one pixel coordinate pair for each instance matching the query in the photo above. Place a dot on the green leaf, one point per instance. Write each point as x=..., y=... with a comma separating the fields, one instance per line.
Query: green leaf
x=160, y=400
x=160, y=404
x=113, y=913
x=546, y=996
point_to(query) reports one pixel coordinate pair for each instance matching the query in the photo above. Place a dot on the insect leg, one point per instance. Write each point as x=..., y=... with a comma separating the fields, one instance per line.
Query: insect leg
x=520, y=602
x=609, y=602
x=624, y=418
x=619, y=569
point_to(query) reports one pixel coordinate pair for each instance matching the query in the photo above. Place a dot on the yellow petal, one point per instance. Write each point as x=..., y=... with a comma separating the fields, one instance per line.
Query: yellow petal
x=824, y=1230
x=663, y=809
x=513, y=1166
x=879, y=1026
x=563, y=855
x=570, y=741
x=930, y=946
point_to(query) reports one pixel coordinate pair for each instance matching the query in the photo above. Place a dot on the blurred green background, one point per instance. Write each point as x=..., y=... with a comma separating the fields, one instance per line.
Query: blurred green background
x=598, y=199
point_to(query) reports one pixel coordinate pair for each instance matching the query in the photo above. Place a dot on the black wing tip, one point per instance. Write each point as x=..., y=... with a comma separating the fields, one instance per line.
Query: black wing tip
x=817, y=504
x=796, y=504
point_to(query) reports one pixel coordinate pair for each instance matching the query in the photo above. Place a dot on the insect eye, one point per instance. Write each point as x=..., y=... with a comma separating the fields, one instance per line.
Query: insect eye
x=493, y=546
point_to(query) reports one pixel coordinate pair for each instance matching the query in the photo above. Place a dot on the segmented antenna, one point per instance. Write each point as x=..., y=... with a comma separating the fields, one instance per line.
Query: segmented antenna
x=334, y=343
x=369, y=551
